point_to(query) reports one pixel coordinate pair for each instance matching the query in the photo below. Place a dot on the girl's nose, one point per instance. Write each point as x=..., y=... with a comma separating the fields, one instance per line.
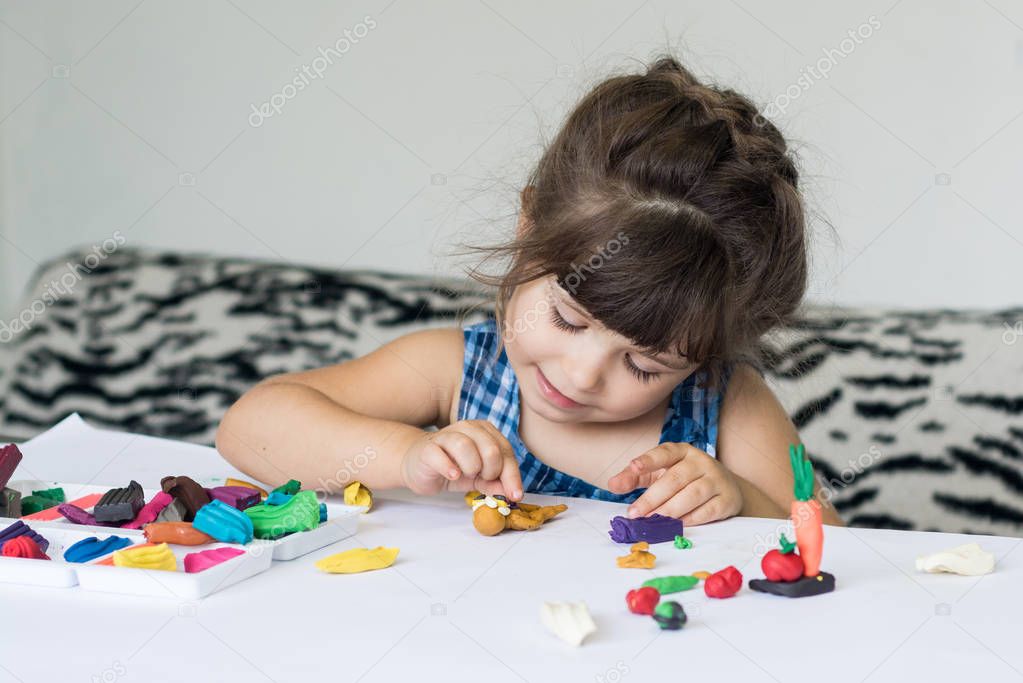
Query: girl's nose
x=584, y=367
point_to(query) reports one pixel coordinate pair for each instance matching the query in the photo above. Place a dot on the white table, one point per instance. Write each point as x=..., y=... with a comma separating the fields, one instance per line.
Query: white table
x=460, y=606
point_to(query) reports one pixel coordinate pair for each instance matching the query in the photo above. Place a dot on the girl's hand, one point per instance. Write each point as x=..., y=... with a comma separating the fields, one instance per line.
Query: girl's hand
x=465, y=455
x=681, y=481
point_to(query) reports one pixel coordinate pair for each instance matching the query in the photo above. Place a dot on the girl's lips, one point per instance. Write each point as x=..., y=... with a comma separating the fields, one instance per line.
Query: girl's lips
x=552, y=394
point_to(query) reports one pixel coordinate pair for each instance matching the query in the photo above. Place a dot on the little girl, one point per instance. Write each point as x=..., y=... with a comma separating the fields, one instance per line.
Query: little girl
x=661, y=235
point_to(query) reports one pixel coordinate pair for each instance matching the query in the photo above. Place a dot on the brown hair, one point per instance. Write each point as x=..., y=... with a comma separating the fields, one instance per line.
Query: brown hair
x=669, y=210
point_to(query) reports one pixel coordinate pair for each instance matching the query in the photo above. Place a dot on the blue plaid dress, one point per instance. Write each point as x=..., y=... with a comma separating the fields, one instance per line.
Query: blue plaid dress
x=490, y=391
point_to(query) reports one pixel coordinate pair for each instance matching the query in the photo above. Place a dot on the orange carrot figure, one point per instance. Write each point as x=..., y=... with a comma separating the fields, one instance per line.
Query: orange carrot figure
x=806, y=513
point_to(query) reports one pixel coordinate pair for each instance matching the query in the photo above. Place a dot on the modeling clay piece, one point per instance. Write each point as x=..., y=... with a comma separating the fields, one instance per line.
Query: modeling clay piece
x=92, y=547
x=56, y=494
x=247, y=484
x=642, y=600
x=175, y=533
x=150, y=511
x=226, y=523
x=19, y=528
x=10, y=503
x=186, y=490
x=278, y=498
x=204, y=559
x=652, y=529
x=291, y=487
x=702, y=576
x=323, y=513
x=670, y=616
x=120, y=505
x=358, y=494
x=301, y=513
x=157, y=556
x=493, y=514
x=672, y=584
x=358, y=560
x=780, y=565
x=683, y=543
x=10, y=457
x=638, y=558
x=23, y=546
x=570, y=621
x=967, y=560
x=239, y=497
x=723, y=584
x=77, y=515
x=36, y=503
x=174, y=512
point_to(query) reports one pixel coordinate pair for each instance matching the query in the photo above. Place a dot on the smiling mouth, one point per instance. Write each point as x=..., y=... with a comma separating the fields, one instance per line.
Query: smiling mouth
x=551, y=393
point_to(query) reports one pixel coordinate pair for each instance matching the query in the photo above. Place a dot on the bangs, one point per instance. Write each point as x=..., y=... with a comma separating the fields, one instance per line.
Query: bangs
x=658, y=277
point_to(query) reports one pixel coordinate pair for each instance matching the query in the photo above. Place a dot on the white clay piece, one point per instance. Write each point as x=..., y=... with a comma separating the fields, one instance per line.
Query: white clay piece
x=967, y=560
x=570, y=621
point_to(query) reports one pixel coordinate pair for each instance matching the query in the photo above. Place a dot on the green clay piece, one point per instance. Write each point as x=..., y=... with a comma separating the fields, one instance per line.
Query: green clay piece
x=301, y=513
x=802, y=471
x=56, y=494
x=33, y=504
x=291, y=488
x=683, y=543
x=671, y=584
x=786, y=545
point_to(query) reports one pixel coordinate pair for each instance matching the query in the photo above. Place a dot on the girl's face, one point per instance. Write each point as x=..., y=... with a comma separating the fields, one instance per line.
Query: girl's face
x=572, y=369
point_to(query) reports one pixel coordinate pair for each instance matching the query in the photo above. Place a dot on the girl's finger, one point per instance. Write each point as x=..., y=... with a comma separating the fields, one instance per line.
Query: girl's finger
x=710, y=511
x=687, y=500
x=462, y=449
x=629, y=479
x=436, y=460
x=667, y=486
x=511, y=478
x=499, y=452
x=663, y=456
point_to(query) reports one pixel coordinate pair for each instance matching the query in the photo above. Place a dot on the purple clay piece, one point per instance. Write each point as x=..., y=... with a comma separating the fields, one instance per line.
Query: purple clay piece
x=238, y=497
x=652, y=529
x=10, y=456
x=120, y=505
x=19, y=528
x=77, y=515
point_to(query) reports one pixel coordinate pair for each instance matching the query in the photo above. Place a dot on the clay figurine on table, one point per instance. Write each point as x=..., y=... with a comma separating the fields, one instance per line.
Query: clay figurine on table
x=788, y=573
x=493, y=514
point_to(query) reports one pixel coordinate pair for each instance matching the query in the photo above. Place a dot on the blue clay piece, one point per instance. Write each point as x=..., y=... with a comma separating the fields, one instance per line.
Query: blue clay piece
x=90, y=548
x=323, y=513
x=223, y=522
x=277, y=498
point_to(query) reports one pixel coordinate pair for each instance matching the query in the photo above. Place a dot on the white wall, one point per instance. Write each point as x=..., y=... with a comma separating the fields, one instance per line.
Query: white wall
x=135, y=117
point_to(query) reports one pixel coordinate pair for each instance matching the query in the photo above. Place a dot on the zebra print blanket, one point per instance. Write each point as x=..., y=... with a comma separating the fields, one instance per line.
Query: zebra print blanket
x=914, y=420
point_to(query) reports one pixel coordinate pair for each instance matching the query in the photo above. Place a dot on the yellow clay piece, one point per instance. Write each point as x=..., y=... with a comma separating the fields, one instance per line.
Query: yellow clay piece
x=702, y=576
x=639, y=557
x=157, y=556
x=358, y=560
x=247, y=484
x=358, y=494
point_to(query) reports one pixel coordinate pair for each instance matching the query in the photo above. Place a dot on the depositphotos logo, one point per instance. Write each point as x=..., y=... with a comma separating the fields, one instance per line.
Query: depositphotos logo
x=310, y=72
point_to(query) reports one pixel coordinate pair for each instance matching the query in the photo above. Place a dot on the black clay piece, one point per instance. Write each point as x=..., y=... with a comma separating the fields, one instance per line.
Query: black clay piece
x=801, y=588
x=120, y=505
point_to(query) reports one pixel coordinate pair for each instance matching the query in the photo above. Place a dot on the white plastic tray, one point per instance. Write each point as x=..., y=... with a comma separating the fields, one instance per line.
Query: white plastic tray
x=149, y=582
x=342, y=520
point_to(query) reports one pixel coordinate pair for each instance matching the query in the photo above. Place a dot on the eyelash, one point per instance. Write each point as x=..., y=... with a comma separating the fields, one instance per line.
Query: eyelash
x=562, y=324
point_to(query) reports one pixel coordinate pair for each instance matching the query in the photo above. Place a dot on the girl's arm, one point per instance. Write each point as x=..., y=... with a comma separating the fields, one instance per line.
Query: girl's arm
x=346, y=422
x=754, y=434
